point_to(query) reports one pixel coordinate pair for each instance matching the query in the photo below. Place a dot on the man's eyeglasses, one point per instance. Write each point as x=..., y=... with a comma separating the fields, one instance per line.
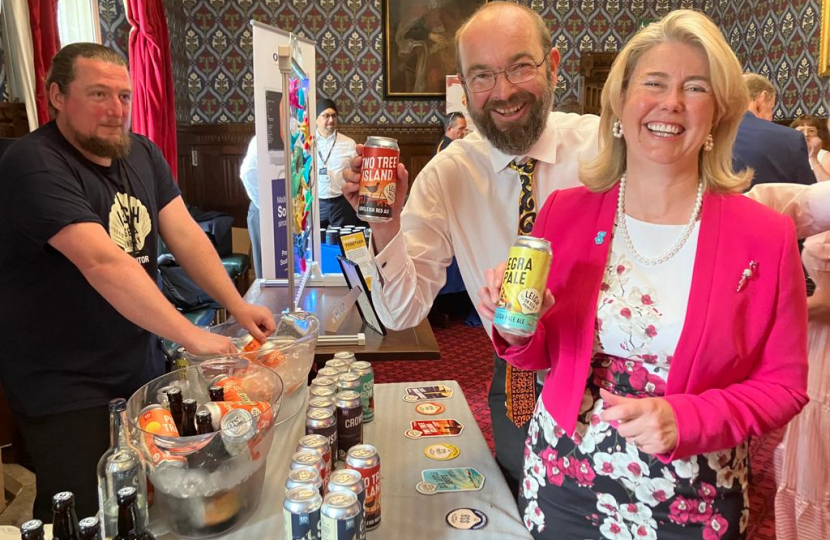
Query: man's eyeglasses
x=326, y=116
x=482, y=81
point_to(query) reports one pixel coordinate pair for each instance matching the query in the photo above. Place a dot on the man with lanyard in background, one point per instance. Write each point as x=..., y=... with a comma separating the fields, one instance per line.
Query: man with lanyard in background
x=83, y=202
x=334, y=150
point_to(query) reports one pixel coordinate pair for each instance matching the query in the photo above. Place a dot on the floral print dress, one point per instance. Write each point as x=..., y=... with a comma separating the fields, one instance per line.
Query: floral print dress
x=596, y=485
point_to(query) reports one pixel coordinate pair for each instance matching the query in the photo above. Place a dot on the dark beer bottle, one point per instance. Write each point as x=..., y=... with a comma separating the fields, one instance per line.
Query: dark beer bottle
x=188, y=417
x=204, y=422
x=174, y=401
x=90, y=528
x=32, y=530
x=217, y=393
x=128, y=528
x=64, y=520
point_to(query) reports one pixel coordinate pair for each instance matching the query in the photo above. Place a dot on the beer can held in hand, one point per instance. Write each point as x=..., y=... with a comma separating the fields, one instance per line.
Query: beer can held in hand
x=378, y=179
x=523, y=286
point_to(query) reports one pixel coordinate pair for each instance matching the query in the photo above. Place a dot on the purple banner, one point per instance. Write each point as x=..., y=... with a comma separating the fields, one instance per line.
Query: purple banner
x=280, y=228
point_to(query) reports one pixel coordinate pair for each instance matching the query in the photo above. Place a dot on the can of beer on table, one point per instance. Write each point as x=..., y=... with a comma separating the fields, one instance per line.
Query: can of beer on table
x=349, y=422
x=316, y=402
x=328, y=372
x=323, y=422
x=523, y=286
x=346, y=356
x=339, y=516
x=325, y=381
x=347, y=480
x=322, y=391
x=308, y=459
x=318, y=444
x=339, y=365
x=364, y=458
x=301, y=513
x=367, y=388
x=304, y=476
x=349, y=381
x=378, y=179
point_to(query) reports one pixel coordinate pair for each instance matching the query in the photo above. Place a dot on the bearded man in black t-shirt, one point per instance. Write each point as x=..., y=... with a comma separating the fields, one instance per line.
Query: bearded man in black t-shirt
x=83, y=202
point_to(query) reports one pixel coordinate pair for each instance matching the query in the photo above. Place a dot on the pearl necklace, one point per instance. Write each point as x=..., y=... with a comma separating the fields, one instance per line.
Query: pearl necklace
x=677, y=245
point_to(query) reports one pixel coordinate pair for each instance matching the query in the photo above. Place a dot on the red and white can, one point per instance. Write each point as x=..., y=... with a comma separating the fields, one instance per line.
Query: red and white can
x=378, y=179
x=365, y=459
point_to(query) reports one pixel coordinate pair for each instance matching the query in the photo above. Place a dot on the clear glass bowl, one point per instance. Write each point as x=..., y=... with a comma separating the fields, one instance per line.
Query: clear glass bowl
x=206, y=485
x=289, y=350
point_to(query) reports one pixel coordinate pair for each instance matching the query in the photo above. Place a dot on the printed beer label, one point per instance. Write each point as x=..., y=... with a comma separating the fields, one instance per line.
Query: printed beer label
x=430, y=408
x=442, y=452
x=437, y=428
x=425, y=393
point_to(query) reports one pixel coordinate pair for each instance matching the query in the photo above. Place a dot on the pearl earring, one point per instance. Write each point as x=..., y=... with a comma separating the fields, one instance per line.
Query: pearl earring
x=617, y=129
x=709, y=144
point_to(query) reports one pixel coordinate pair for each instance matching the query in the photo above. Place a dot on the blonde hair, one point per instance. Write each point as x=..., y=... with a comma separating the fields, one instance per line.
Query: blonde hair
x=730, y=93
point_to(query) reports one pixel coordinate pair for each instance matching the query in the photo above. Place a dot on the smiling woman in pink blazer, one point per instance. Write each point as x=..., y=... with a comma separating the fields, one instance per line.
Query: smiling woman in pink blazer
x=678, y=328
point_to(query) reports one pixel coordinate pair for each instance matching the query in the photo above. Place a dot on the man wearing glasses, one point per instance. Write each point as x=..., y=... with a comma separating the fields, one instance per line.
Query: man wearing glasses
x=334, y=150
x=466, y=201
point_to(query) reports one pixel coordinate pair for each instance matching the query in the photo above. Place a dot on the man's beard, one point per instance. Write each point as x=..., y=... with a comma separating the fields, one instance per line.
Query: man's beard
x=105, y=148
x=518, y=138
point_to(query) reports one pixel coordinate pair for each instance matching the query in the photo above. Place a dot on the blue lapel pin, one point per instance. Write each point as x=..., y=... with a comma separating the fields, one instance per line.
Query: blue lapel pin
x=600, y=238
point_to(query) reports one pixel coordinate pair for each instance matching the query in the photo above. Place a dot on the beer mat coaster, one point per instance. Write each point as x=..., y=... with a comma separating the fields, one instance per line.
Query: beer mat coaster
x=426, y=488
x=429, y=408
x=467, y=519
x=434, y=428
x=442, y=451
x=415, y=394
x=452, y=480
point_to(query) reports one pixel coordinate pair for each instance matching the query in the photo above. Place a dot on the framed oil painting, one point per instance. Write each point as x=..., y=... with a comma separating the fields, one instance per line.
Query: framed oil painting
x=824, y=43
x=419, y=44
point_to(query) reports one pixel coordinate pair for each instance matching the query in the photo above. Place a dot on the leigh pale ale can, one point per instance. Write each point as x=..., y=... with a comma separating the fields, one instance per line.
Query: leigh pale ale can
x=378, y=179
x=523, y=286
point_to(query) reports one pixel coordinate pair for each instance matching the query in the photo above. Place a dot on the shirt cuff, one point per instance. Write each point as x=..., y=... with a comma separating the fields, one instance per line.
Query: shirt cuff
x=390, y=263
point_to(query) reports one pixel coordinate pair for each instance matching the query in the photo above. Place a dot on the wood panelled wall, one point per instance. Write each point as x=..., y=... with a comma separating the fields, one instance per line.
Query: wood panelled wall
x=210, y=157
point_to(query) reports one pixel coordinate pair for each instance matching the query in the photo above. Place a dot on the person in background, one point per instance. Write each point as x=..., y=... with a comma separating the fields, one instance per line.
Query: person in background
x=816, y=136
x=802, y=460
x=656, y=322
x=334, y=150
x=250, y=180
x=83, y=203
x=456, y=128
x=776, y=153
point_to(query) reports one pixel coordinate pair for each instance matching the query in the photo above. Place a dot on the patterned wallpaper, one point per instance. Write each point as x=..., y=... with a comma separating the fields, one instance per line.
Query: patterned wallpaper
x=211, y=46
x=350, y=49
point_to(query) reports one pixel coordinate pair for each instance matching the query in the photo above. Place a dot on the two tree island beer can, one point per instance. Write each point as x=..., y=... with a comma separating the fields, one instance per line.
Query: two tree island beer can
x=378, y=179
x=523, y=286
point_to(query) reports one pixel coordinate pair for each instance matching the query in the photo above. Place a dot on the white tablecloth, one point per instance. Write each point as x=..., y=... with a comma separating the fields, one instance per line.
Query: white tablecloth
x=406, y=514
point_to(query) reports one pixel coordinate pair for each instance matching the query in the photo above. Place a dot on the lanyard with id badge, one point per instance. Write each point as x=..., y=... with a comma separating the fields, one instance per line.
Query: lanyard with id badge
x=322, y=172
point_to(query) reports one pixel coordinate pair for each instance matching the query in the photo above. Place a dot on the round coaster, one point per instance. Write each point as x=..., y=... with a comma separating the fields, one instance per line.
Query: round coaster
x=410, y=399
x=442, y=451
x=413, y=434
x=429, y=408
x=467, y=519
x=427, y=488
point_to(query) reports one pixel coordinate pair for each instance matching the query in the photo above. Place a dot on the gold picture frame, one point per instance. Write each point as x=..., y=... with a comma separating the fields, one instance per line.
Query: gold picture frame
x=824, y=42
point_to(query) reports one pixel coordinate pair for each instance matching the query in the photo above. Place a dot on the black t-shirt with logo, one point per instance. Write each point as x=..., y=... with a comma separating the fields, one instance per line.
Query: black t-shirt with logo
x=62, y=345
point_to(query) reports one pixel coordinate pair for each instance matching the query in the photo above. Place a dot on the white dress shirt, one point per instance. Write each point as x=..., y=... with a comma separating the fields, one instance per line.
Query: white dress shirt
x=248, y=170
x=334, y=161
x=465, y=203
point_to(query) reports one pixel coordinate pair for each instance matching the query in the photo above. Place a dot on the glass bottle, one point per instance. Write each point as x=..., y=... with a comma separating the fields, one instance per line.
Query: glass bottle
x=174, y=403
x=188, y=417
x=32, y=530
x=64, y=520
x=121, y=466
x=128, y=527
x=204, y=422
x=90, y=528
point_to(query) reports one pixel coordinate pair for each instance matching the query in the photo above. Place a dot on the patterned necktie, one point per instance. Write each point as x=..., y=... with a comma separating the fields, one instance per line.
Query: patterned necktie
x=519, y=384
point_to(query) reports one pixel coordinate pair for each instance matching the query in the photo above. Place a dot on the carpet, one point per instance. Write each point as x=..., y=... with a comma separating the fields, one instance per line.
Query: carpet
x=467, y=357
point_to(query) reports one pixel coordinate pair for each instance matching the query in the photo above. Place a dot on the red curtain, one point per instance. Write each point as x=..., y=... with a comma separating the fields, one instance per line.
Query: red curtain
x=43, y=18
x=154, y=109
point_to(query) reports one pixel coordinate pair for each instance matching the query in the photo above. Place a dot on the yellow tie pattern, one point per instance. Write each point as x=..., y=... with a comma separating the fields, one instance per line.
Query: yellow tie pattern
x=520, y=385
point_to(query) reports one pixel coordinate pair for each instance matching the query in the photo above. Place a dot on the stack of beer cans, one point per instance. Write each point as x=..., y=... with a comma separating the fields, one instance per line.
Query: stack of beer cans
x=322, y=501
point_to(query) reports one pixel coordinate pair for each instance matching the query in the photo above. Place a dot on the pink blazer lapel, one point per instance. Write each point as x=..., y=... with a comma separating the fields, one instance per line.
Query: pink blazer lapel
x=700, y=294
